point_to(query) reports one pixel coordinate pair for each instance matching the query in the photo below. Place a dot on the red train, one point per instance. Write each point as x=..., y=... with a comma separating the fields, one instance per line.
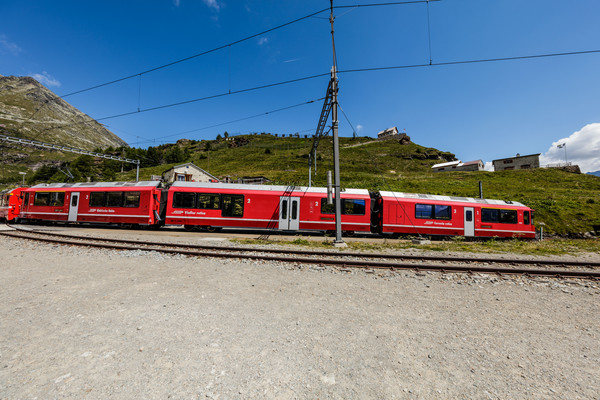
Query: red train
x=214, y=206
x=127, y=203
x=10, y=204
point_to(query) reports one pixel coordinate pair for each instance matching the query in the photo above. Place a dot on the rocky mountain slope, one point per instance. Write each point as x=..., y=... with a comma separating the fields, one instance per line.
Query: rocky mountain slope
x=30, y=110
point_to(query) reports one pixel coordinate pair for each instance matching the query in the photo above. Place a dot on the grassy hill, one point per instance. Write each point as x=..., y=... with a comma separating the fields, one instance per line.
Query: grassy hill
x=569, y=204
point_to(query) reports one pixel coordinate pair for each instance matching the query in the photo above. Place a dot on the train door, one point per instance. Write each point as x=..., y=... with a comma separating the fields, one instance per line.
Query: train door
x=289, y=213
x=469, y=221
x=74, y=207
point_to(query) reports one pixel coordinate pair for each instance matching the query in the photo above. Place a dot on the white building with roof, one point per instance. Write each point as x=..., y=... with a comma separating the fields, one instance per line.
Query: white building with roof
x=458, y=165
x=188, y=172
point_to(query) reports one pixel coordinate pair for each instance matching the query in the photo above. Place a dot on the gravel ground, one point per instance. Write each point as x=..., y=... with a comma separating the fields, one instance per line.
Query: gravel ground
x=90, y=323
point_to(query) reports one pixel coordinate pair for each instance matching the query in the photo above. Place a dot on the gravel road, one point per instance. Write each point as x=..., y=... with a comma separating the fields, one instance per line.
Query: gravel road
x=89, y=323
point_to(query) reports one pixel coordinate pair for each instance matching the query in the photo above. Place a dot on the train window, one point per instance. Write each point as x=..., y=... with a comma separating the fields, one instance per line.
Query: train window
x=508, y=216
x=41, y=199
x=132, y=199
x=489, y=215
x=209, y=201
x=526, y=217
x=294, y=209
x=184, y=200
x=424, y=211
x=354, y=207
x=443, y=212
x=97, y=199
x=114, y=199
x=433, y=211
x=327, y=208
x=469, y=216
x=493, y=215
x=284, y=209
x=26, y=201
x=57, y=199
x=233, y=205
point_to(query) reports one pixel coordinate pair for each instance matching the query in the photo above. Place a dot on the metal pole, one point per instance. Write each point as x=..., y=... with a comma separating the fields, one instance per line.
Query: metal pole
x=336, y=146
x=137, y=171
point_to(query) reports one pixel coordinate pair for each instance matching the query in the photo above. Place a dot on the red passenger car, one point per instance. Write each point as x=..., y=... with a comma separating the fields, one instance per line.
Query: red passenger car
x=10, y=204
x=217, y=205
x=136, y=203
x=424, y=214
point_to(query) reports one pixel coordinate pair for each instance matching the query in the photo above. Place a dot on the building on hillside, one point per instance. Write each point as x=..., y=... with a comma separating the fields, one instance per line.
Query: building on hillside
x=518, y=162
x=188, y=172
x=476, y=165
x=387, y=133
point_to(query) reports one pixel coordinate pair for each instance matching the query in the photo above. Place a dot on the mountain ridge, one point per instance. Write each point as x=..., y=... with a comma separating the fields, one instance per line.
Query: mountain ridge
x=30, y=110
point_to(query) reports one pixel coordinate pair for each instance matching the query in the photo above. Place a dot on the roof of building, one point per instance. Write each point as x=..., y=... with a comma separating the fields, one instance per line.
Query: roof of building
x=446, y=164
x=472, y=162
x=392, y=129
x=193, y=165
x=519, y=156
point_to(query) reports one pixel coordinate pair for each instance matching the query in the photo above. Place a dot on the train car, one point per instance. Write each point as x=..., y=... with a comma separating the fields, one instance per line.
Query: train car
x=282, y=208
x=125, y=203
x=10, y=204
x=432, y=215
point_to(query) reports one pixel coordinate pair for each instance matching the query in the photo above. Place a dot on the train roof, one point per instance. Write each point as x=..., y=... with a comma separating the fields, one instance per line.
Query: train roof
x=272, y=188
x=417, y=196
x=97, y=185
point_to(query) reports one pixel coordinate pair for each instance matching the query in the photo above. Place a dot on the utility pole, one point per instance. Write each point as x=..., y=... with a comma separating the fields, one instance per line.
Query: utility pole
x=336, y=146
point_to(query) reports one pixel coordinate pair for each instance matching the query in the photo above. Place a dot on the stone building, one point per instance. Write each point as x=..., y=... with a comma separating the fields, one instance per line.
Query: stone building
x=518, y=162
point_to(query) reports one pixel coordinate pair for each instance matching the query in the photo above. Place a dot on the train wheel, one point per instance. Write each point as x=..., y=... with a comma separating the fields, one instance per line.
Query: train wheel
x=189, y=228
x=349, y=233
x=213, y=229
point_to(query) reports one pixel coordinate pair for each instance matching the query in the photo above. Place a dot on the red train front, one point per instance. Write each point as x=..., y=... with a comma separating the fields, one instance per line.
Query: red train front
x=424, y=214
x=10, y=204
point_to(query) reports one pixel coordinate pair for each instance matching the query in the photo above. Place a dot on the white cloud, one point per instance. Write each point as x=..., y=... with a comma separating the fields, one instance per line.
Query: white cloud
x=176, y=3
x=359, y=128
x=582, y=148
x=489, y=166
x=46, y=79
x=214, y=4
x=8, y=46
x=263, y=40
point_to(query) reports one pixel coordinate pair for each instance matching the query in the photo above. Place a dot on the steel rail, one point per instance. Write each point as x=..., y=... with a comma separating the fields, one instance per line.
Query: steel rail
x=329, y=261
x=498, y=260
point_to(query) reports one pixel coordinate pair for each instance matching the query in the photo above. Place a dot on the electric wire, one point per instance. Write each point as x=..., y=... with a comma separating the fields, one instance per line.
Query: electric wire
x=460, y=62
x=239, y=119
x=214, y=96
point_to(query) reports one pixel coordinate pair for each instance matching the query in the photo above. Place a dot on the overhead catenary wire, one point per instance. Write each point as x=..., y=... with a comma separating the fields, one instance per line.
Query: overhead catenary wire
x=214, y=96
x=244, y=39
x=240, y=119
x=475, y=61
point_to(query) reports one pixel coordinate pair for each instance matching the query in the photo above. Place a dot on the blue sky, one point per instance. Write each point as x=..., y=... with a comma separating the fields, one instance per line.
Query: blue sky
x=477, y=111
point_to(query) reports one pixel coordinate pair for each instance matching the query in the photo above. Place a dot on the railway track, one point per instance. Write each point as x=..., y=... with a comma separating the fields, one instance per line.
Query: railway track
x=538, y=267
